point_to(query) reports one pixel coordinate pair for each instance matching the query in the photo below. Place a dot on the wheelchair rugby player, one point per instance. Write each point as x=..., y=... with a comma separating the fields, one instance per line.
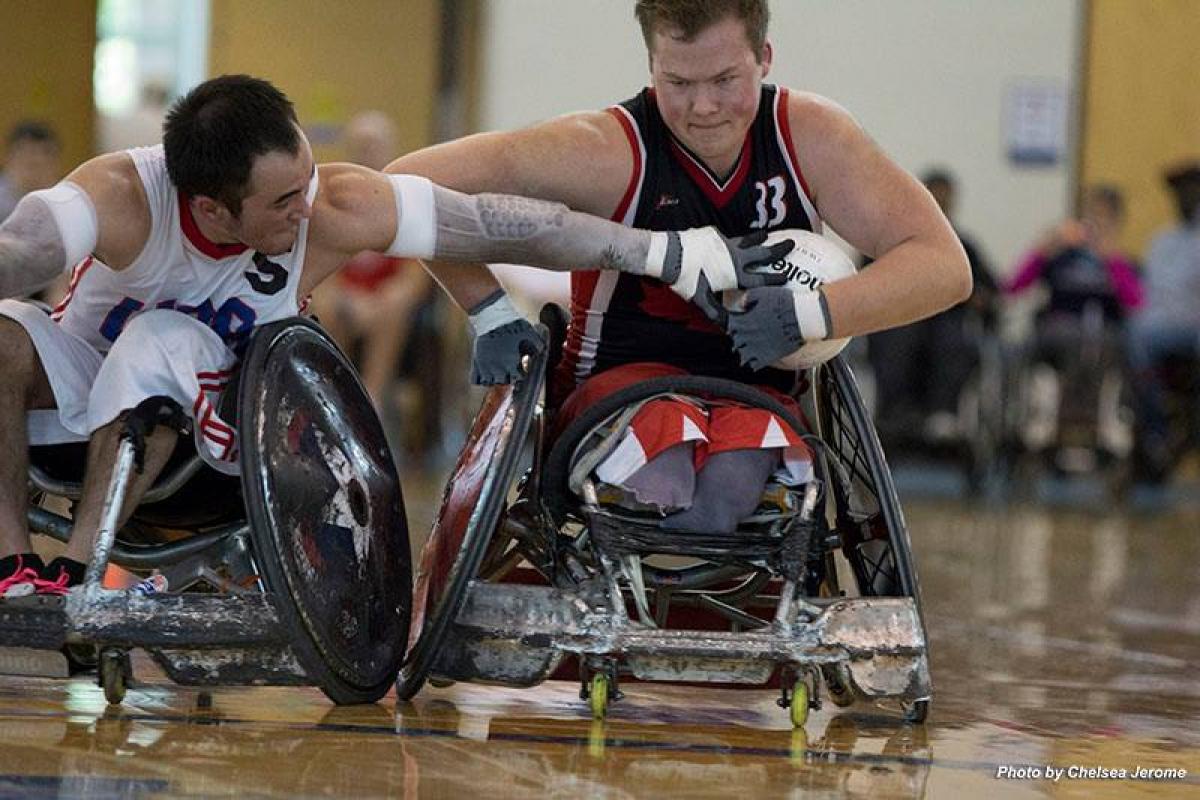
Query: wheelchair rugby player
x=189, y=262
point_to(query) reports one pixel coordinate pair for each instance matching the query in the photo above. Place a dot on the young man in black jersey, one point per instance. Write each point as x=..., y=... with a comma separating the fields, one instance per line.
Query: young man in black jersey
x=702, y=146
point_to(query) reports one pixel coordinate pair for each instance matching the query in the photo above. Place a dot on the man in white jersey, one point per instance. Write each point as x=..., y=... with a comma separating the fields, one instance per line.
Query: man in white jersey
x=177, y=252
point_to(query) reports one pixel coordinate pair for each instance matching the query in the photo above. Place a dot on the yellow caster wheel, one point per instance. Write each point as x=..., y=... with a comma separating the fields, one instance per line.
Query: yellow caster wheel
x=598, y=696
x=798, y=710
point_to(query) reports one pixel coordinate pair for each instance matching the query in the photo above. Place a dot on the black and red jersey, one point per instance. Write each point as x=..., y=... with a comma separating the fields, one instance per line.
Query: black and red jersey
x=617, y=318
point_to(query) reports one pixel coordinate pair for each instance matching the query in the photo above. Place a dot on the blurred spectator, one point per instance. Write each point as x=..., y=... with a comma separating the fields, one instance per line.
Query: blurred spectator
x=31, y=162
x=373, y=304
x=913, y=397
x=1080, y=265
x=1167, y=328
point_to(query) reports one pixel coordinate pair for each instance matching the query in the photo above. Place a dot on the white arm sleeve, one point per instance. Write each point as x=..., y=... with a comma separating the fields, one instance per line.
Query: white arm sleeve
x=75, y=216
x=48, y=232
x=416, y=218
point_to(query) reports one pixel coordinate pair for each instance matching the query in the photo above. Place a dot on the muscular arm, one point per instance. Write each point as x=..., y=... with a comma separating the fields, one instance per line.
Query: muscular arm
x=920, y=267
x=581, y=160
x=409, y=216
x=502, y=227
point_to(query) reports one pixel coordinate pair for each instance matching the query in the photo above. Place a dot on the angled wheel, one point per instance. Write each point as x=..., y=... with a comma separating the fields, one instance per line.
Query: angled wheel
x=472, y=503
x=326, y=511
x=867, y=514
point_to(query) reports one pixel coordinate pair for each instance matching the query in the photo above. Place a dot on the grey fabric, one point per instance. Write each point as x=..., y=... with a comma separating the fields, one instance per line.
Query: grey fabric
x=667, y=481
x=728, y=489
x=767, y=329
x=1172, y=278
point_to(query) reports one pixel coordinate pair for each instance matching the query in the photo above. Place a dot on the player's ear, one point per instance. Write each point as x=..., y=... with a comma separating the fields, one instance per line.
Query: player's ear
x=765, y=61
x=210, y=209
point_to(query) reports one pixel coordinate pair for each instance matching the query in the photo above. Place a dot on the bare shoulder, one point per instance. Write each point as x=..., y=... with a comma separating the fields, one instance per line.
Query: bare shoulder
x=858, y=189
x=582, y=159
x=820, y=125
x=346, y=189
x=122, y=210
x=111, y=180
x=354, y=210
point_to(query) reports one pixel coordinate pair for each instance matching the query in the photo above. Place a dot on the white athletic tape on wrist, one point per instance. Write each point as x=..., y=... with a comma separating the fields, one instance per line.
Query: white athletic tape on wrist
x=657, y=254
x=75, y=216
x=493, y=315
x=812, y=315
x=416, y=214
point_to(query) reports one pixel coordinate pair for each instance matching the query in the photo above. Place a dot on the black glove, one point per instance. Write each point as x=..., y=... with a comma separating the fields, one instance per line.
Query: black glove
x=502, y=338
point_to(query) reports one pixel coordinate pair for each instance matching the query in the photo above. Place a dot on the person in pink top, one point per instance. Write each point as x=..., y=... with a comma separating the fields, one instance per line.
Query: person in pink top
x=1078, y=261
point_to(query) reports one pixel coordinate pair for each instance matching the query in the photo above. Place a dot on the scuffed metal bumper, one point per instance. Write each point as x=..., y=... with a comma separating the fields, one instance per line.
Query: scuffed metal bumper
x=518, y=635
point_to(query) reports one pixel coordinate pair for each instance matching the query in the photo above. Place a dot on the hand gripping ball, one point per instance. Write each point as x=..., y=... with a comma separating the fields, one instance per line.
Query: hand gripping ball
x=813, y=262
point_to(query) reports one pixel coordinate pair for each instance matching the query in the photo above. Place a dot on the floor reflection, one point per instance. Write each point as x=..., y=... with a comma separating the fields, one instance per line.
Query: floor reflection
x=1057, y=638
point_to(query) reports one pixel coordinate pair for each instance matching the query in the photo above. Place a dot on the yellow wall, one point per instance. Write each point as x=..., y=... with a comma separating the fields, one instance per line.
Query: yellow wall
x=335, y=59
x=1142, y=104
x=46, y=52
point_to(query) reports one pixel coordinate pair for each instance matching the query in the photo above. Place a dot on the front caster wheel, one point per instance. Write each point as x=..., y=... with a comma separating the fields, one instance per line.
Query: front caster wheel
x=598, y=696
x=115, y=672
x=798, y=710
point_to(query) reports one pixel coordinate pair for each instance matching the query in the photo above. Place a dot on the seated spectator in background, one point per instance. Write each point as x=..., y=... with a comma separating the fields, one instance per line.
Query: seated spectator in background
x=913, y=397
x=1079, y=263
x=370, y=306
x=31, y=162
x=1167, y=327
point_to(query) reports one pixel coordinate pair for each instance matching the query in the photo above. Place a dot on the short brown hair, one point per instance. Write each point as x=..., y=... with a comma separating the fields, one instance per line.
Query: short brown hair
x=693, y=16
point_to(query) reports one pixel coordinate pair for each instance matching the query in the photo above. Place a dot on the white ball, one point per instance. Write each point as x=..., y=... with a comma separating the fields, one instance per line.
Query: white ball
x=813, y=262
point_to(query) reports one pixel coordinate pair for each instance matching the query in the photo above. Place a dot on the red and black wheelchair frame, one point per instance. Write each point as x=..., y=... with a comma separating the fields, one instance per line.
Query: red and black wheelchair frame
x=509, y=592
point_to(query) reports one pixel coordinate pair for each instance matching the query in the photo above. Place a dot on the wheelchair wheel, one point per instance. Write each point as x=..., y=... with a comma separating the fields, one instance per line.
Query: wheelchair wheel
x=326, y=511
x=867, y=515
x=474, y=498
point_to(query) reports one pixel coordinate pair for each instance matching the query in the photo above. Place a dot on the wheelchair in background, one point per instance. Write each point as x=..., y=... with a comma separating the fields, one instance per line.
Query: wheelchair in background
x=1070, y=407
x=298, y=573
x=527, y=572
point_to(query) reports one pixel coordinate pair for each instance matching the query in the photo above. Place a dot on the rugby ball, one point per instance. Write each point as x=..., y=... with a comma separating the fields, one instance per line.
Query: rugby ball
x=813, y=262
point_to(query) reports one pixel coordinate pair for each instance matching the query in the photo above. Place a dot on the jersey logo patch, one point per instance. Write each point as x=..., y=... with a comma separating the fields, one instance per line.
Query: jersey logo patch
x=267, y=277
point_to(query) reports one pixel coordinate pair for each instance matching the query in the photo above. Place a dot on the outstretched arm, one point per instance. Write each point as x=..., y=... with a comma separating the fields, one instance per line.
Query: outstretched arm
x=407, y=216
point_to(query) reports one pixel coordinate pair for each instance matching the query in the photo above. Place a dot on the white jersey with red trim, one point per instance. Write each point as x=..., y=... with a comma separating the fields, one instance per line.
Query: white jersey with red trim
x=230, y=288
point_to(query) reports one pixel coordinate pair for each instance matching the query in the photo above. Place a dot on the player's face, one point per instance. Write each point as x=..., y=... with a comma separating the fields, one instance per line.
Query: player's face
x=708, y=88
x=275, y=204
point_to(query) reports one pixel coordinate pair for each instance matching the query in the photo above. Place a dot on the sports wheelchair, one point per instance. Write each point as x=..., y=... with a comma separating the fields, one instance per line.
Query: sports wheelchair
x=296, y=573
x=1071, y=408
x=522, y=575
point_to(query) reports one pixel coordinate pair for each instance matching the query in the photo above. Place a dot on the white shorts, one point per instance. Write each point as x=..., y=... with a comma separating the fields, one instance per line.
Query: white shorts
x=160, y=352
